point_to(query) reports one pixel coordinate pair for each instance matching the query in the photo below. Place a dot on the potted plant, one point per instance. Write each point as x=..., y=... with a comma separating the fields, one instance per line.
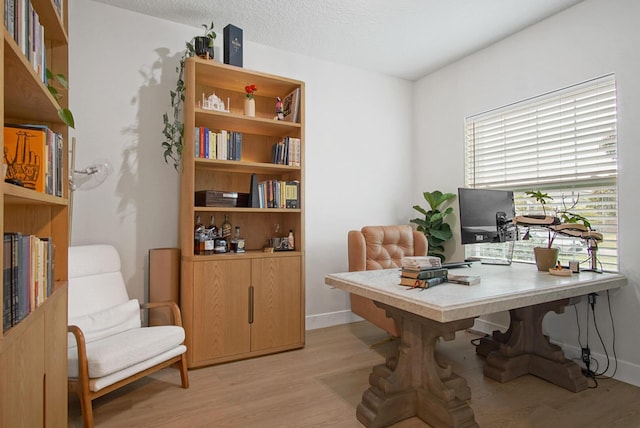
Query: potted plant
x=203, y=45
x=433, y=225
x=547, y=257
x=173, y=126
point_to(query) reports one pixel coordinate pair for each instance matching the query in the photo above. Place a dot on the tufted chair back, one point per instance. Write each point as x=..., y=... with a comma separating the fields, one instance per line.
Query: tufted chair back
x=381, y=247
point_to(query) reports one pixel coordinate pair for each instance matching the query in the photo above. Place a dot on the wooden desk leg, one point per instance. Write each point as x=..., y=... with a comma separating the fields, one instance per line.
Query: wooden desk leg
x=524, y=349
x=413, y=383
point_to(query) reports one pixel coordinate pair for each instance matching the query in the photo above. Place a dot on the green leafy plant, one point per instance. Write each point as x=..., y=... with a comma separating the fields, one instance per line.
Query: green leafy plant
x=435, y=229
x=55, y=83
x=173, y=125
x=209, y=33
x=565, y=214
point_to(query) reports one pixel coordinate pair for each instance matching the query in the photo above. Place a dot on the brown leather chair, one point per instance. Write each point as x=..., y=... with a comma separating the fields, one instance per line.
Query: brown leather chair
x=381, y=247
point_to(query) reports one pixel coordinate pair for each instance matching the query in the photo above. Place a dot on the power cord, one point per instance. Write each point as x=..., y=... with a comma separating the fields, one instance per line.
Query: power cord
x=586, y=357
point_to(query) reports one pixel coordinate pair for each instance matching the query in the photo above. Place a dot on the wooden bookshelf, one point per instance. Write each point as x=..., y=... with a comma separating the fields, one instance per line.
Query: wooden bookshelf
x=33, y=351
x=237, y=306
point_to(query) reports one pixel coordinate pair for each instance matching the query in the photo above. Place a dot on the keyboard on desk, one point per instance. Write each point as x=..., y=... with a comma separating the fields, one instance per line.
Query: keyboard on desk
x=502, y=262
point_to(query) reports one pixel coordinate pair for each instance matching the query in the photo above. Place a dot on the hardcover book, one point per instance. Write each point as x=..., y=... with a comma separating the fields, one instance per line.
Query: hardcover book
x=424, y=274
x=422, y=283
x=291, y=106
x=232, y=45
x=464, y=279
x=25, y=154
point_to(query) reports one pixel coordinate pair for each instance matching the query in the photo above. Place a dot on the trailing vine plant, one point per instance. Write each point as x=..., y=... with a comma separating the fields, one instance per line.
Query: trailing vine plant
x=174, y=126
x=56, y=81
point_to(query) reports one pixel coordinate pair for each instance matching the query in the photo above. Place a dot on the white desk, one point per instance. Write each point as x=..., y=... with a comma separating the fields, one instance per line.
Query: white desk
x=413, y=383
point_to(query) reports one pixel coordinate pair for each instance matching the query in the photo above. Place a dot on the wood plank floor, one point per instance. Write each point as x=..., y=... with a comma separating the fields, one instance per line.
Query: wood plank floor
x=321, y=385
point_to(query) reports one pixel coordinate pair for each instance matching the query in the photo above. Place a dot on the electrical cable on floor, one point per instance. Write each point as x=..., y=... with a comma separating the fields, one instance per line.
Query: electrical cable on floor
x=587, y=359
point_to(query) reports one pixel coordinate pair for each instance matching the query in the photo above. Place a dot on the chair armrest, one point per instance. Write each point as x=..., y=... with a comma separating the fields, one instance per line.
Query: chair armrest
x=177, y=318
x=357, y=252
x=83, y=366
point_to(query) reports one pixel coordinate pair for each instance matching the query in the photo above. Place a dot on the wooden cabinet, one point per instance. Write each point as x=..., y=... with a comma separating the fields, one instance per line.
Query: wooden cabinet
x=240, y=305
x=33, y=352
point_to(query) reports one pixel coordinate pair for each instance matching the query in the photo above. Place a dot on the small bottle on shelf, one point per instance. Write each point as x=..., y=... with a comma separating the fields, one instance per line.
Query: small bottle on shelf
x=213, y=230
x=225, y=231
x=237, y=242
x=198, y=229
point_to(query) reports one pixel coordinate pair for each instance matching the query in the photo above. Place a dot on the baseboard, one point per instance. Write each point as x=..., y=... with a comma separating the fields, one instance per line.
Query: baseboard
x=330, y=319
x=481, y=326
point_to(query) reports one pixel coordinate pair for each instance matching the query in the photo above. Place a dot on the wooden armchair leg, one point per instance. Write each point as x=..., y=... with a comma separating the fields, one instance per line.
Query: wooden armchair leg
x=87, y=412
x=184, y=374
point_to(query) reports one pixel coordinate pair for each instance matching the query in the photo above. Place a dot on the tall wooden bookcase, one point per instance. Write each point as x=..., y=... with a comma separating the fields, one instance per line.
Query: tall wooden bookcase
x=33, y=353
x=240, y=305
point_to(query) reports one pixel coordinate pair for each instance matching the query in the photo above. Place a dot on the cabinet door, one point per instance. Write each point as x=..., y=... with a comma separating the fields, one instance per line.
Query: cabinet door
x=277, y=302
x=221, y=309
x=22, y=381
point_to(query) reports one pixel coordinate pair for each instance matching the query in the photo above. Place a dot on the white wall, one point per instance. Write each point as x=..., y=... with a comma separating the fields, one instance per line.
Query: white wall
x=358, y=133
x=591, y=39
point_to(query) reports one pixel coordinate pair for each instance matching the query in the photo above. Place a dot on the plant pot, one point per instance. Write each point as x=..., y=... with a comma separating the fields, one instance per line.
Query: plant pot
x=203, y=46
x=546, y=258
x=250, y=107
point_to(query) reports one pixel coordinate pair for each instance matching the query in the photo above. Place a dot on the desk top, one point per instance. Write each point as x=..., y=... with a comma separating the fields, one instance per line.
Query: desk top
x=501, y=288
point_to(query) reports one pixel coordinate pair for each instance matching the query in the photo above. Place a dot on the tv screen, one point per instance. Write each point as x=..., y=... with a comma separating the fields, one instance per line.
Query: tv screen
x=482, y=211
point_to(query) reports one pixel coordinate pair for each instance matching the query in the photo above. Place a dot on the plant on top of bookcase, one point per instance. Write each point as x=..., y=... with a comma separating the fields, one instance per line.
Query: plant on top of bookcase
x=174, y=127
x=433, y=225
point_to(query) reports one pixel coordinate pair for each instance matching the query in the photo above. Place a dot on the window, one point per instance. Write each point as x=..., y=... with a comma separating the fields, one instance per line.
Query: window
x=563, y=143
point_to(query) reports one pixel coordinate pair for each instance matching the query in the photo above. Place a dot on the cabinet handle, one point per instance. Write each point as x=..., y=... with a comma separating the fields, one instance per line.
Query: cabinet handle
x=251, y=304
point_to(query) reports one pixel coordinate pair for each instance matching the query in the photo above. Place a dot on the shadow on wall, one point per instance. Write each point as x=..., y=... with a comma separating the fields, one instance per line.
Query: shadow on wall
x=148, y=187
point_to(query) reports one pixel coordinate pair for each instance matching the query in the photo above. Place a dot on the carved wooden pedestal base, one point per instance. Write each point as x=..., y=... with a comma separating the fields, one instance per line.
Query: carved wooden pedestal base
x=524, y=349
x=413, y=383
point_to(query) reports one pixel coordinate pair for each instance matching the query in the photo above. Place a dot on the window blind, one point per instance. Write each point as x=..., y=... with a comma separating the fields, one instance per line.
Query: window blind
x=563, y=143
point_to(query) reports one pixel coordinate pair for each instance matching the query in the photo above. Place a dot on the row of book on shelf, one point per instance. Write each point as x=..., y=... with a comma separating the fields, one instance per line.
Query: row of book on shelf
x=286, y=152
x=223, y=145
x=23, y=24
x=28, y=275
x=278, y=194
x=426, y=271
x=34, y=156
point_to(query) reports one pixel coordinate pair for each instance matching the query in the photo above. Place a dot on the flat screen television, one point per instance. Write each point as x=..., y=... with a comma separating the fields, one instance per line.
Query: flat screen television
x=485, y=215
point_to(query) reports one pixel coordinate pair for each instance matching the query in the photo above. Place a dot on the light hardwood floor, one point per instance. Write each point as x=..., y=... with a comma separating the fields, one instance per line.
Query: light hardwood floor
x=321, y=385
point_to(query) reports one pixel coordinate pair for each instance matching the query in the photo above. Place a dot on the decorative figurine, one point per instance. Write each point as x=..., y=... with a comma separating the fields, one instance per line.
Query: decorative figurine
x=279, y=113
x=213, y=103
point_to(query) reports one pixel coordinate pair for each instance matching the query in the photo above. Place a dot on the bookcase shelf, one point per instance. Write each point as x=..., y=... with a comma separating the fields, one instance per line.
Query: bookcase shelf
x=33, y=366
x=237, y=306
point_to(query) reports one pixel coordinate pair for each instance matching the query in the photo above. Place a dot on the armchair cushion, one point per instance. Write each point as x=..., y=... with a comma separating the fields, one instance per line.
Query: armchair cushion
x=106, y=356
x=106, y=323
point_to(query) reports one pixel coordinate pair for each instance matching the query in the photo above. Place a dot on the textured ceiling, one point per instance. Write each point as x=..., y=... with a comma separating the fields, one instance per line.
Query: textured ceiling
x=403, y=38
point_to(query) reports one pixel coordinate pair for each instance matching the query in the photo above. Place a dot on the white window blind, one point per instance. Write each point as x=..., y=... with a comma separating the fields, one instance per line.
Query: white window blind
x=563, y=143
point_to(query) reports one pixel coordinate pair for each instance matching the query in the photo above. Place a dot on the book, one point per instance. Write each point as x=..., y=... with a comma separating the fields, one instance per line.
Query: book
x=424, y=273
x=420, y=262
x=26, y=154
x=291, y=105
x=422, y=283
x=464, y=279
x=291, y=192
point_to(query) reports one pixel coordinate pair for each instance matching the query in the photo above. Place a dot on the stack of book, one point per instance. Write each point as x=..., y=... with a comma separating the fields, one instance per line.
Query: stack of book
x=422, y=272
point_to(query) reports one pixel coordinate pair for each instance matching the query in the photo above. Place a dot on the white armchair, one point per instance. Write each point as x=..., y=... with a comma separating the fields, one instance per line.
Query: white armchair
x=107, y=345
